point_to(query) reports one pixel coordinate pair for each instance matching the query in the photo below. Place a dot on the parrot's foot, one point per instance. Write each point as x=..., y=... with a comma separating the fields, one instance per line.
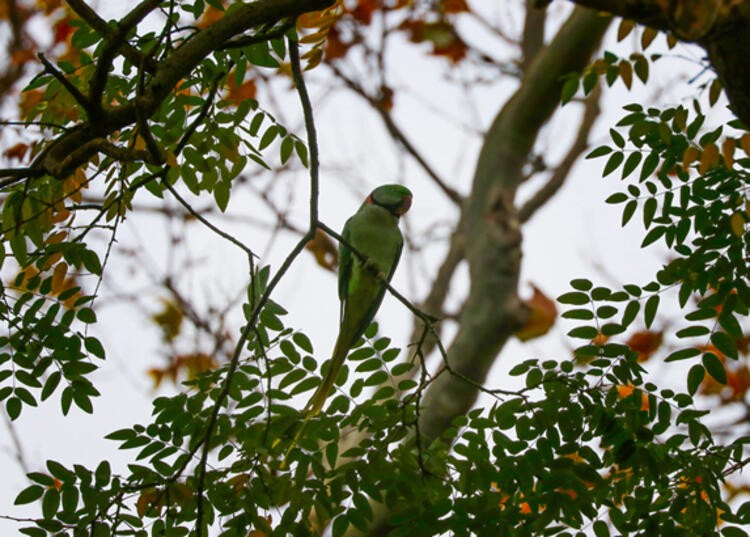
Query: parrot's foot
x=373, y=269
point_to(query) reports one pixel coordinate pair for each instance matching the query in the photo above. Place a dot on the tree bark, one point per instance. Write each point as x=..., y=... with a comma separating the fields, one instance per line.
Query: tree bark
x=493, y=312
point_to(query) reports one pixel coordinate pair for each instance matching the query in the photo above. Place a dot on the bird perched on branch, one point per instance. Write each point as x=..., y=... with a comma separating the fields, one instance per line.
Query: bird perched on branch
x=368, y=255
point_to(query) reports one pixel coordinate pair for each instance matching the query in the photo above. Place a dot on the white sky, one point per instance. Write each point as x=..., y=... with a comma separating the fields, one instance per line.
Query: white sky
x=566, y=239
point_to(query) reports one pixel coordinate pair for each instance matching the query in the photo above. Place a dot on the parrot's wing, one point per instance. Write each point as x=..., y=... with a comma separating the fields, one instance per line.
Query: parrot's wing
x=345, y=267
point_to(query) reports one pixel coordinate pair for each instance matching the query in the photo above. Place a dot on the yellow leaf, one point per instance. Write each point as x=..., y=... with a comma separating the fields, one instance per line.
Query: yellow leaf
x=317, y=37
x=58, y=278
x=737, y=221
x=171, y=159
x=140, y=143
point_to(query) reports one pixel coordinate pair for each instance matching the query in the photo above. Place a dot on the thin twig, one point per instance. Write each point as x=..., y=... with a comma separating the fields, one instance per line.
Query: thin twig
x=591, y=112
x=397, y=134
x=67, y=84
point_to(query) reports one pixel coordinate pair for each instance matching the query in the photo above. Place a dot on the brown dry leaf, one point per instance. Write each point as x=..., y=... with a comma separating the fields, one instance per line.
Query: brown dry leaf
x=727, y=151
x=648, y=36
x=364, y=10
x=626, y=73
x=626, y=26
x=542, y=315
x=169, y=319
x=324, y=250
x=454, y=6
x=691, y=155
x=58, y=278
x=150, y=497
x=709, y=159
x=17, y=151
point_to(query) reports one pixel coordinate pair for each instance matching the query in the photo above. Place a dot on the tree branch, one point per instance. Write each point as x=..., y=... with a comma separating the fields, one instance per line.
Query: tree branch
x=167, y=74
x=542, y=196
x=398, y=135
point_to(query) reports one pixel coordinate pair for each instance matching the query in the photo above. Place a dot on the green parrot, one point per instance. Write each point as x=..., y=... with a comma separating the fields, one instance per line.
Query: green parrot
x=373, y=232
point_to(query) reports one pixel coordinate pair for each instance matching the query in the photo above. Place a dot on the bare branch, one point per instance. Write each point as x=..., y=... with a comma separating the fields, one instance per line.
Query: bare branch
x=590, y=113
x=398, y=134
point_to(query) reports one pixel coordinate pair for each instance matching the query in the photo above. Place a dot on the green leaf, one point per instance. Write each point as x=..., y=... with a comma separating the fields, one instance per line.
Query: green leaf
x=617, y=138
x=725, y=344
x=581, y=284
x=574, y=298
x=584, y=332
x=654, y=235
x=268, y=137
x=569, y=89
x=613, y=163
x=222, y=190
x=714, y=367
x=86, y=315
x=94, y=346
x=682, y=354
x=599, y=152
x=29, y=494
x=630, y=313
x=649, y=312
x=617, y=197
x=50, y=503
x=631, y=164
x=13, y=407
x=628, y=211
x=649, y=165
x=601, y=529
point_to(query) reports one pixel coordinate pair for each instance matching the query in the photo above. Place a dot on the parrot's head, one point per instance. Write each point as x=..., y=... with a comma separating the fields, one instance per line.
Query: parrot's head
x=396, y=199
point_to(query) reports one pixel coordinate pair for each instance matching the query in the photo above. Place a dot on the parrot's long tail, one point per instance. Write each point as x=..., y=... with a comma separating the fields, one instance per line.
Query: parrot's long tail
x=318, y=399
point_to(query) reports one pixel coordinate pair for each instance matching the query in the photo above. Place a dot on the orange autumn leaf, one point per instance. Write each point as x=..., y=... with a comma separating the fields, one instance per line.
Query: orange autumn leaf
x=645, y=343
x=17, y=151
x=364, y=10
x=335, y=48
x=542, y=315
x=245, y=91
x=63, y=30
x=626, y=390
x=599, y=340
x=210, y=16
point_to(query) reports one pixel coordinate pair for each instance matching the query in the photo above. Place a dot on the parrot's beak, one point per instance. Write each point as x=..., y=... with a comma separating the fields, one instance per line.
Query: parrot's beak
x=405, y=205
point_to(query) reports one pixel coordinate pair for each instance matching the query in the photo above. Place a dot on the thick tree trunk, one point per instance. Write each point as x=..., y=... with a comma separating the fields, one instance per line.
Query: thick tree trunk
x=493, y=312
